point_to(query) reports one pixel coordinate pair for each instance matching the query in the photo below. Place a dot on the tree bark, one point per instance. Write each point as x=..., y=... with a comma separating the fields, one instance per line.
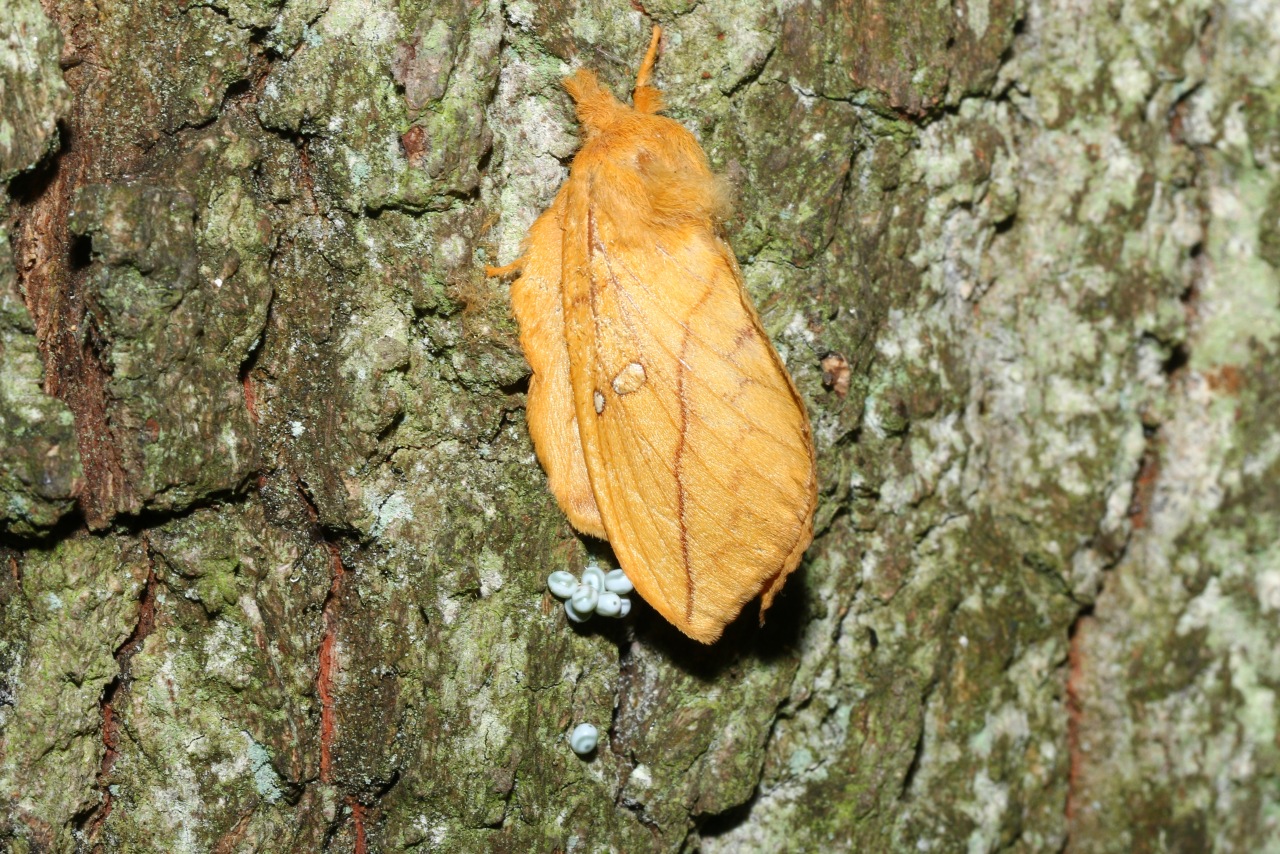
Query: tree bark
x=275, y=543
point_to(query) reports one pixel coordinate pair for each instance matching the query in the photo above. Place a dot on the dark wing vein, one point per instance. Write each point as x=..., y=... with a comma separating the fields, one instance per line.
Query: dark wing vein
x=630, y=450
x=717, y=392
x=683, y=325
x=718, y=435
x=636, y=340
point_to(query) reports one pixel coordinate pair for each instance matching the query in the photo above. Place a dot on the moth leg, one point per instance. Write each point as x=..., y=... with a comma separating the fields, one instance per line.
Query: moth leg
x=506, y=269
x=553, y=425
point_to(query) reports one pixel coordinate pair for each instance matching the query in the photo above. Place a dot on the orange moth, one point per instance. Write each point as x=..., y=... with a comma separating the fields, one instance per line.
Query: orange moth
x=663, y=416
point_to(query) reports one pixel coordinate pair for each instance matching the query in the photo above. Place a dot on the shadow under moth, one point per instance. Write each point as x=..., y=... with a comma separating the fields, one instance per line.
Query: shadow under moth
x=665, y=419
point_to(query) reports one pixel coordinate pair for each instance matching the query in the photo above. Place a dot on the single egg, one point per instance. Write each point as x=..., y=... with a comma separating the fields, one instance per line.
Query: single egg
x=594, y=576
x=609, y=604
x=583, y=739
x=561, y=584
x=584, y=599
x=572, y=613
x=616, y=581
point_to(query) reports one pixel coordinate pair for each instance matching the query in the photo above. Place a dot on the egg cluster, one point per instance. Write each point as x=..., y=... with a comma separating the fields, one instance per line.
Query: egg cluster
x=598, y=592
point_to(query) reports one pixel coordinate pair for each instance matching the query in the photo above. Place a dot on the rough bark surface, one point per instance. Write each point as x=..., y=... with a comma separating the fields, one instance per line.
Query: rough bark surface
x=275, y=544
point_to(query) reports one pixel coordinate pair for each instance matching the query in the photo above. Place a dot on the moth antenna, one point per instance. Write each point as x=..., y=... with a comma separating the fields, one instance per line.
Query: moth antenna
x=612, y=57
x=646, y=98
x=650, y=57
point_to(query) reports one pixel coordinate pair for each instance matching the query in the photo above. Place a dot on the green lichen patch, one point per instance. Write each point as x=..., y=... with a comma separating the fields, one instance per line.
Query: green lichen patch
x=166, y=68
x=256, y=14
x=381, y=136
x=79, y=602
x=792, y=179
x=1178, y=671
x=33, y=95
x=32, y=92
x=180, y=286
x=186, y=773
x=39, y=459
x=700, y=67
x=250, y=596
x=913, y=62
x=222, y=696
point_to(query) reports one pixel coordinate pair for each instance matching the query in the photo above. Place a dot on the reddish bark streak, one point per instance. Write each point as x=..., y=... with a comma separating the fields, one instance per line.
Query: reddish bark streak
x=1227, y=379
x=54, y=291
x=234, y=836
x=250, y=399
x=329, y=666
x=1075, y=712
x=357, y=825
x=74, y=372
x=1144, y=488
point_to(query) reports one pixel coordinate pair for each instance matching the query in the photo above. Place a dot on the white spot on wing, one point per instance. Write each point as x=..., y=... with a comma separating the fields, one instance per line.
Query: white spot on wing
x=629, y=379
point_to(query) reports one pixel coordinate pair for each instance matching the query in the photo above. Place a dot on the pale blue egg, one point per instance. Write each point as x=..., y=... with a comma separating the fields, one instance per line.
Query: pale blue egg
x=584, y=599
x=561, y=584
x=594, y=576
x=609, y=604
x=584, y=739
x=616, y=581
